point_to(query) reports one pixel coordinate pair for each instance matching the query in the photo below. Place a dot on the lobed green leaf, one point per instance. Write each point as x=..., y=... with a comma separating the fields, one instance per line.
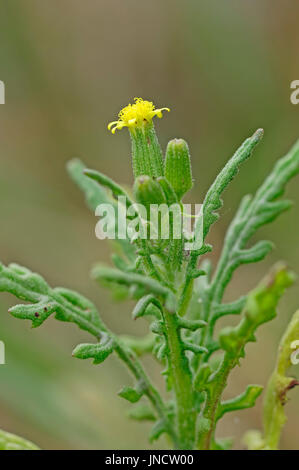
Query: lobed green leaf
x=245, y=400
x=99, y=352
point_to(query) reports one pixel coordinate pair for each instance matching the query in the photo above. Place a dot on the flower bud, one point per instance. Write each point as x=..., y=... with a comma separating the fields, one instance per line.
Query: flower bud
x=148, y=191
x=178, y=167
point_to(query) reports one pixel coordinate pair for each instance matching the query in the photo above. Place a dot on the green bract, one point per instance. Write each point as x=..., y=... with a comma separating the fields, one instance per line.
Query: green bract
x=180, y=295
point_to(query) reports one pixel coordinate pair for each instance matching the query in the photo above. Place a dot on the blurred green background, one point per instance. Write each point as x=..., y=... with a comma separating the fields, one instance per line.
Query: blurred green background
x=224, y=69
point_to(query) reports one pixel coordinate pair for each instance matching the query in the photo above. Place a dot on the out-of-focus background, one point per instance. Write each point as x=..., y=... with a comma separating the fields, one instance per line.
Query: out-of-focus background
x=224, y=69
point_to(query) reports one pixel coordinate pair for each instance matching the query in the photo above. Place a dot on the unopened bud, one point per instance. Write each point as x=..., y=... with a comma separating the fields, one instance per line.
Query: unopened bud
x=148, y=191
x=178, y=167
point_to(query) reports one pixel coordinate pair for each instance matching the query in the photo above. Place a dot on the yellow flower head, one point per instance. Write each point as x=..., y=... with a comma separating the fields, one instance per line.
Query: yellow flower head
x=135, y=114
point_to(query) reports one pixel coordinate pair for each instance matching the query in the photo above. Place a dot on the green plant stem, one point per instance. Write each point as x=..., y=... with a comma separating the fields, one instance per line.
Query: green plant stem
x=134, y=365
x=148, y=264
x=191, y=273
x=182, y=383
x=188, y=287
x=204, y=440
x=149, y=390
x=260, y=308
x=279, y=384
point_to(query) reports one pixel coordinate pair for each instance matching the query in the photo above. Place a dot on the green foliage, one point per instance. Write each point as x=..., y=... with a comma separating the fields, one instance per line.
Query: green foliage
x=141, y=413
x=212, y=201
x=67, y=305
x=244, y=400
x=10, y=441
x=260, y=307
x=180, y=296
x=131, y=394
x=99, y=351
x=277, y=388
x=95, y=194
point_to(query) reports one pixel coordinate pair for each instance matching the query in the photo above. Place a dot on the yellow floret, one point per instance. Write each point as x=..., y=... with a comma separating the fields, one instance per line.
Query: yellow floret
x=135, y=114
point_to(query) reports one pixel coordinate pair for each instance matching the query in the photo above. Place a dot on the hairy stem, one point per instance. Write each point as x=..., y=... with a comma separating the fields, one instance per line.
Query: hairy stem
x=204, y=439
x=182, y=383
x=149, y=390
